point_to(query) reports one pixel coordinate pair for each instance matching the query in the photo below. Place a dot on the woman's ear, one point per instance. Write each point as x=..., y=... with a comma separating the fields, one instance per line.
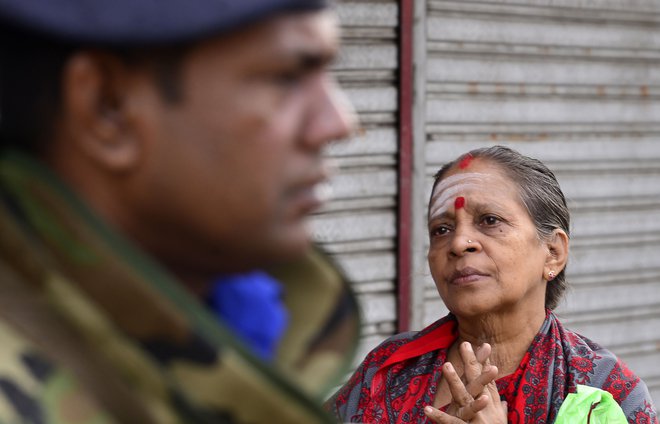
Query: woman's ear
x=555, y=262
x=95, y=87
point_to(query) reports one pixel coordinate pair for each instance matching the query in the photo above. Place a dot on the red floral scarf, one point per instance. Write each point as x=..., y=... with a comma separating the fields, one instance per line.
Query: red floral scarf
x=400, y=377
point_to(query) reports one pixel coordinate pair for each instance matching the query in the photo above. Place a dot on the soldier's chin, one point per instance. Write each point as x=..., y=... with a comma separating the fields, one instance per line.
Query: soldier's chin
x=293, y=243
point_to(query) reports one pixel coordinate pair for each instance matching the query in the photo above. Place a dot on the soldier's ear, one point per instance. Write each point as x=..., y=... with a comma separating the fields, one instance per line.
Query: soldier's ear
x=96, y=109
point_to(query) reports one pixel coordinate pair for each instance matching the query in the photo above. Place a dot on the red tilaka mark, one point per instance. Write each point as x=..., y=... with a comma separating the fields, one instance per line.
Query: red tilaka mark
x=459, y=202
x=465, y=162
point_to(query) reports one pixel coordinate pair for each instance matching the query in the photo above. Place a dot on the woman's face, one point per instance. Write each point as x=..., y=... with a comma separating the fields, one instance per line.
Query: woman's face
x=485, y=254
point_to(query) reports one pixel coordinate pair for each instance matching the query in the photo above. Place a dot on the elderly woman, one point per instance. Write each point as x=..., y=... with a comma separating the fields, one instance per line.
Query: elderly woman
x=498, y=227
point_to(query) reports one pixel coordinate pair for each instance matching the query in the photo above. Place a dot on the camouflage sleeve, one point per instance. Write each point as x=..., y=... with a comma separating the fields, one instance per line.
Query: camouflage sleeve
x=22, y=375
x=33, y=390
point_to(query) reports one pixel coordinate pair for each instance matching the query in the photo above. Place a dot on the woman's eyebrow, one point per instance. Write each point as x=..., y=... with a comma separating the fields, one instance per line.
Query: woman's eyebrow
x=443, y=216
x=483, y=207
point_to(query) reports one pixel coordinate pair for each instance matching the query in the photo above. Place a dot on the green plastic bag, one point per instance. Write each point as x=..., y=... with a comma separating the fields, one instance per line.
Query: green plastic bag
x=601, y=404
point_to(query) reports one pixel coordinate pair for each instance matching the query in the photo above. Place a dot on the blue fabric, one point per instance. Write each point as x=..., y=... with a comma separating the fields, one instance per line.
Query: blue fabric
x=251, y=305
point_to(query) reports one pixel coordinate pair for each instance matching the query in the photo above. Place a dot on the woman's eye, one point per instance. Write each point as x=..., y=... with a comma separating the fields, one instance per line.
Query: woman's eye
x=490, y=220
x=440, y=230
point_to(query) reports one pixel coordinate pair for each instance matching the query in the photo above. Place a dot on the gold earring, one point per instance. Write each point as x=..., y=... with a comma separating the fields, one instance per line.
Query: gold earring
x=551, y=275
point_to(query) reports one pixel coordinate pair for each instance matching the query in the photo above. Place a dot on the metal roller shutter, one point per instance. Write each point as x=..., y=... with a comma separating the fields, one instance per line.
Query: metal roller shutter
x=575, y=84
x=358, y=226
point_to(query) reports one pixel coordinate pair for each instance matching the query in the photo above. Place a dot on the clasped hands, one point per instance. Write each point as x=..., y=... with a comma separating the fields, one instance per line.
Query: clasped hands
x=475, y=398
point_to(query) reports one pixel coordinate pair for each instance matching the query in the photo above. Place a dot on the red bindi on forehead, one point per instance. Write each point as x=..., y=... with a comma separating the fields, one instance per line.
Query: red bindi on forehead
x=465, y=162
x=459, y=202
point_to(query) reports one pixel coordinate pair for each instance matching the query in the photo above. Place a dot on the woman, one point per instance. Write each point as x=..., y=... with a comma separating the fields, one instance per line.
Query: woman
x=498, y=226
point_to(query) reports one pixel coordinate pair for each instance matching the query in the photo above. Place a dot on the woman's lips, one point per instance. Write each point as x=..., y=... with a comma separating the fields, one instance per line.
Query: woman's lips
x=467, y=275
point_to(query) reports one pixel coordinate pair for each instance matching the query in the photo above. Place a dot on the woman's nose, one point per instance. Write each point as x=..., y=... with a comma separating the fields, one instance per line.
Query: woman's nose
x=464, y=241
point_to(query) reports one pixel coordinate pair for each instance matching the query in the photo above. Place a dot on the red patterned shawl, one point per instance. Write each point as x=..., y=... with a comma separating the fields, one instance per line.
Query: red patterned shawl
x=400, y=377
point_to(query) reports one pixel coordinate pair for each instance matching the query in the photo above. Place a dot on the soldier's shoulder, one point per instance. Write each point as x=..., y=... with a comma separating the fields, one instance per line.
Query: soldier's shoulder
x=34, y=389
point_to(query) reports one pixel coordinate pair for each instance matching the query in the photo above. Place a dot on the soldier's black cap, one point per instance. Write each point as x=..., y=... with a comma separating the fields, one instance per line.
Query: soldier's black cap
x=139, y=22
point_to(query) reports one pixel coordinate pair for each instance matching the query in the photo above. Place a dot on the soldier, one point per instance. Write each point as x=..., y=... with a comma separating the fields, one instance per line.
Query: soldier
x=157, y=163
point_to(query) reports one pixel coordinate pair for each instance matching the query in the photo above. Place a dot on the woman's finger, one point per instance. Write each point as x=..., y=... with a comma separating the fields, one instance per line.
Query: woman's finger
x=469, y=411
x=477, y=405
x=471, y=366
x=439, y=417
x=492, y=391
x=458, y=391
x=483, y=353
x=478, y=385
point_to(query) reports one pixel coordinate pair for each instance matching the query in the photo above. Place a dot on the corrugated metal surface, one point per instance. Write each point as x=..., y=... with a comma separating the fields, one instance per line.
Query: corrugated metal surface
x=575, y=84
x=359, y=225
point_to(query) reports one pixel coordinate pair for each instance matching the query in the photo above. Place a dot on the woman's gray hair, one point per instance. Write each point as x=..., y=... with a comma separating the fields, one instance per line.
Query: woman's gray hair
x=540, y=194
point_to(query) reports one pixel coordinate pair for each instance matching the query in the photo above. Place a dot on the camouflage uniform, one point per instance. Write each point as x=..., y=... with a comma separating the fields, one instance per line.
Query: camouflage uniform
x=93, y=331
